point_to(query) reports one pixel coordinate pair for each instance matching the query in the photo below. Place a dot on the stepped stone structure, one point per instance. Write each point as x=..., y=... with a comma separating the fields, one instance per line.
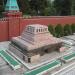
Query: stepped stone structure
x=34, y=42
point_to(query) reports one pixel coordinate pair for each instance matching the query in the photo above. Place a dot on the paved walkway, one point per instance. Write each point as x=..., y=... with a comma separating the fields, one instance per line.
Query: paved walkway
x=44, y=69
x=10, y=60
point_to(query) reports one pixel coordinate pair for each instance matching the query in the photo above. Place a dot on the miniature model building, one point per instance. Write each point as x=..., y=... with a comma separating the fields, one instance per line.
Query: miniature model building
x=34, y=42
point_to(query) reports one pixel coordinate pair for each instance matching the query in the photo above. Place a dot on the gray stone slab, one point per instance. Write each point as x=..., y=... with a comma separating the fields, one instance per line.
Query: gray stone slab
x=4, y=45
x=2, y=62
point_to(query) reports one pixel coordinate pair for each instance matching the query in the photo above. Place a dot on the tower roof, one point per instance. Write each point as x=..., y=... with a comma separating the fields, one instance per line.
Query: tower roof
x=11, y=5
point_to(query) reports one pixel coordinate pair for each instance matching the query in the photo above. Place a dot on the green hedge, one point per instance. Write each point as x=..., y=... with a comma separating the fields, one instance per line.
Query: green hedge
x=60, y=30
x=67, y=30
x=73, y=28
x=51, y=29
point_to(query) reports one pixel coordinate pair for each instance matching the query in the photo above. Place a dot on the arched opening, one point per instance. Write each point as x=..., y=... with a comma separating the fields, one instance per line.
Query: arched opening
x=46, y=50
x=29, y=60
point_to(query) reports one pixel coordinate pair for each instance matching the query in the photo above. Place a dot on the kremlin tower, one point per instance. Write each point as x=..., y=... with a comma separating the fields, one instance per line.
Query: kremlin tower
x=12, y=9
x=13, y=15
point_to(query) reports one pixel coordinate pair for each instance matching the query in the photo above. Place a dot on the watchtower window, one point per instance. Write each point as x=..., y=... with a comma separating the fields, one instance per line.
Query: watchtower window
x=13, y=7
x=37, y=30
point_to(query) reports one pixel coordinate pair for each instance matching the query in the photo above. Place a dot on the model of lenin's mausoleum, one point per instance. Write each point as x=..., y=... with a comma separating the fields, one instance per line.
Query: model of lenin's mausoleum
x=32, y=49
x=34, y=42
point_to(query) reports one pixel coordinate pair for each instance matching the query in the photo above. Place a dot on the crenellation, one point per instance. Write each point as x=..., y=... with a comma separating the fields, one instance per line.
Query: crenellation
x=3, y=19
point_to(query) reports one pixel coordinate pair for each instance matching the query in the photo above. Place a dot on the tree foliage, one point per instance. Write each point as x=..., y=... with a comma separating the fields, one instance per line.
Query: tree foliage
x=50, y=10
x=38, y=6
x=24, y=6
x=63, y=7
x=44, y=7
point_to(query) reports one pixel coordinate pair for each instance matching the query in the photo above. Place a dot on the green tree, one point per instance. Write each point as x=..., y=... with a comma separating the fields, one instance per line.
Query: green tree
x=72, y=7
x=73, y=28
x=58, y=6
x=50, y=10
x=67, y=30
x=66, y=7
x=38, y=6
x=51, y=29
x=63, y=7
x=44, y=7
x=2, y=3
x=24, y=6
x=59, y=30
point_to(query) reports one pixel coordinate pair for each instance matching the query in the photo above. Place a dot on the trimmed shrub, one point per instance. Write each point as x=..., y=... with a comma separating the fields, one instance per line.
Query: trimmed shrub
x=73, y=28
x=59, y=30
x=51, y=29
x=67, y=30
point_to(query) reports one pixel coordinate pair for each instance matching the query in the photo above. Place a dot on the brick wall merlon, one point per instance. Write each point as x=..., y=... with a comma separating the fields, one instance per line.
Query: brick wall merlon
x=3, y=19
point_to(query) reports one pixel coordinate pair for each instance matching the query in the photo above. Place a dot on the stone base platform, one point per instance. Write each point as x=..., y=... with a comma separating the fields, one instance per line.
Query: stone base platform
x=43, y=59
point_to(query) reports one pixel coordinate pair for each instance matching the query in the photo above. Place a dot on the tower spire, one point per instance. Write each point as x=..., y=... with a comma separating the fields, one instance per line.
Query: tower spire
x=12, y=9
x=11, y=5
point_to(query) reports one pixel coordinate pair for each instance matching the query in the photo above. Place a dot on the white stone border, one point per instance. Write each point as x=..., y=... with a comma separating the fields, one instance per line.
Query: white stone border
x=65, y=68
x=68, y=59
x=14, y=67
x=48, y=63
x=48, y=69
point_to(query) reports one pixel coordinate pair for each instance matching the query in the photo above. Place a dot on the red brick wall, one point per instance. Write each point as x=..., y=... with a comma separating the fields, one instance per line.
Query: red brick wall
x=14, y=26
x=47, y=20
x=3, y=30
